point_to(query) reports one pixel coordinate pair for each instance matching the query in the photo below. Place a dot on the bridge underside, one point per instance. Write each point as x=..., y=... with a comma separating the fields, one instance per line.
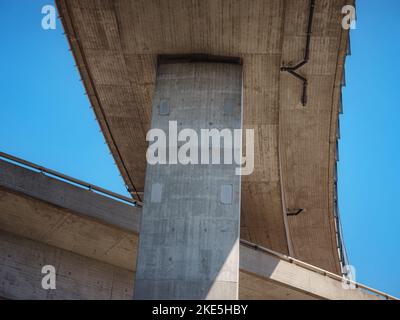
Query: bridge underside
x=44, y=221
x=116, y=45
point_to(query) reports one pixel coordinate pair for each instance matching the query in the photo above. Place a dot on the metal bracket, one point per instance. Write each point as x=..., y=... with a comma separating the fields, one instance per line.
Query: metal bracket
x=294, y=212
x=292, y=69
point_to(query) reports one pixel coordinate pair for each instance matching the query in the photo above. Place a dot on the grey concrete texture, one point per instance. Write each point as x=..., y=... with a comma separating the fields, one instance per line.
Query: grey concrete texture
x=66, y=195
x=189, y=240
x=116, y=45
x=314, y=284
x=77, y=277
x=63, y=228
x=34, y=232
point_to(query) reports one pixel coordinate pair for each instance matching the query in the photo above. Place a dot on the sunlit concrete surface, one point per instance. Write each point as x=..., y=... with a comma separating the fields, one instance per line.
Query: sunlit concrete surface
x=116, y=45
x=95, y=257
x=189, y=238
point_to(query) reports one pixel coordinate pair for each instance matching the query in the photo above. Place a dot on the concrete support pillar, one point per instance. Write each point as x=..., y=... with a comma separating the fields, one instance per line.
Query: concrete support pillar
x=189, y=235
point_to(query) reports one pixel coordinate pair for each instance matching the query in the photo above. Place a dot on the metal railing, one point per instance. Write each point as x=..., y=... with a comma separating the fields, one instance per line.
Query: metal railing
x=68, y=179
x=102, y=191
x=316, y=269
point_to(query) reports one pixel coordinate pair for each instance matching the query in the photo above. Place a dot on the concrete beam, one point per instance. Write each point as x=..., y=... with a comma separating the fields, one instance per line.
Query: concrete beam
x=77, y=277
x=262, y=276
x=189, y=236
x=67, y=196
x=306, y=282
x=59, y=214
x=58, y=232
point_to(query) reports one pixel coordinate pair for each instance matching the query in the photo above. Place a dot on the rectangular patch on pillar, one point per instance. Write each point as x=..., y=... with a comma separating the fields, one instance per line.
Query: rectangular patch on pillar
x=229, y=106
x=164, y=108
x=156, y=191
x=226, y=194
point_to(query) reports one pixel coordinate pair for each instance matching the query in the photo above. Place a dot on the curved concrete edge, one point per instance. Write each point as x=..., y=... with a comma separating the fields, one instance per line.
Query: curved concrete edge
x=313, y=284
x=68, y=196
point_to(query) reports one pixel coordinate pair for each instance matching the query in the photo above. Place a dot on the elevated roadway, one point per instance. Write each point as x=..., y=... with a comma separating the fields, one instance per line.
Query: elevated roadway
x=289, y=203
x=44, y=220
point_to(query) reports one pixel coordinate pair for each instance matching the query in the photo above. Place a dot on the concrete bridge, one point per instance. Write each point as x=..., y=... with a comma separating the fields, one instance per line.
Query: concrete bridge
x=92, y=240
x=276, y=67
x=193, y=231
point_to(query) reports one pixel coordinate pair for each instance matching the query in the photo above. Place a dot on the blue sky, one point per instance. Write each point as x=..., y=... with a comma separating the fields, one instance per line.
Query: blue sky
x=46, y=119
x=45, y=116
x=369, y=168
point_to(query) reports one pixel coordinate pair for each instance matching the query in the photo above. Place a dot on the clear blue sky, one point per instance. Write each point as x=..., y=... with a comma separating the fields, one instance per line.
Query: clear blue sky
x=369, y=168
x=45, y=118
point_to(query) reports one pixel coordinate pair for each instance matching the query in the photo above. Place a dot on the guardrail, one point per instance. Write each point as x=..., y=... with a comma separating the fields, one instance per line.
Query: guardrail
x=122, y=198
x=316, y=269
x=69, y=179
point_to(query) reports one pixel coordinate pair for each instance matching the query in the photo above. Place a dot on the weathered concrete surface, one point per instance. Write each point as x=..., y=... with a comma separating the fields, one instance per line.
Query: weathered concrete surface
x=116, y=44
x=189, y=236
x=307, y=136
x=77, y=277
x=92, y=249
x=254, y=287
x=66, y=195
x=47, y=210
x=294, y=277
x=262, y=276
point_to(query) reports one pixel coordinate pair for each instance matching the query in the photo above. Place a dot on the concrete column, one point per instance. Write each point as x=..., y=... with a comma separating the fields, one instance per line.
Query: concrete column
x=189, y=235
